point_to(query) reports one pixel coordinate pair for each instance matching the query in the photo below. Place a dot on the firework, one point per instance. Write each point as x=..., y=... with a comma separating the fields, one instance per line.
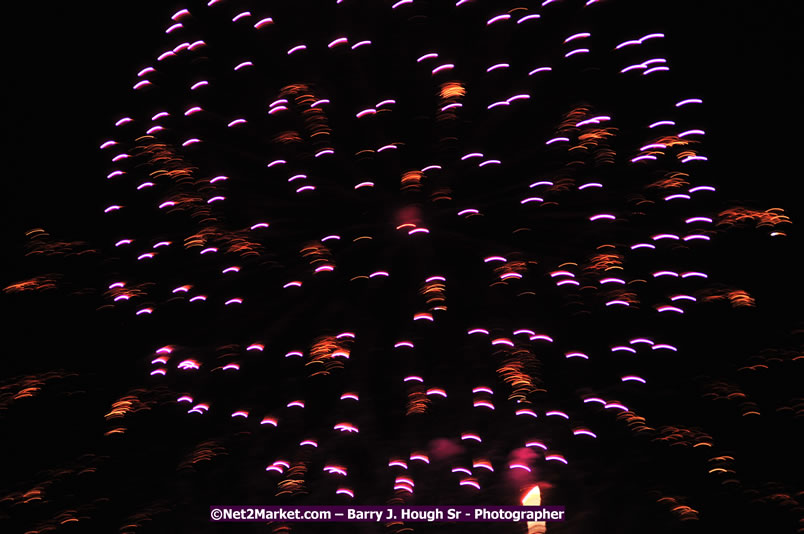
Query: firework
x=416, y=253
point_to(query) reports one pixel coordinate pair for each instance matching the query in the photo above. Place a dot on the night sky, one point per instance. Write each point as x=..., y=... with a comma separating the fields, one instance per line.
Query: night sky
x=70, y=70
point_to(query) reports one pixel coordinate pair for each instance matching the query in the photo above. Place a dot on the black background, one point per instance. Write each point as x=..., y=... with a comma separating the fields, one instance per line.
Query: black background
x=67, y=65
